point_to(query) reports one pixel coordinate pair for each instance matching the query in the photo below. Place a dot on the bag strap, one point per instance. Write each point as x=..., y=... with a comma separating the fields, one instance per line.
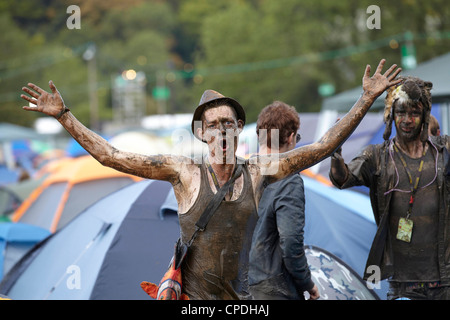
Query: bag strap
x=181, y=248
x=217, y=199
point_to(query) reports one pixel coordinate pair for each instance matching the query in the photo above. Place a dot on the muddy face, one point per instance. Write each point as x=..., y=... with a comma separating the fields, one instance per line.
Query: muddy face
x=408, y=121
x=221, y=133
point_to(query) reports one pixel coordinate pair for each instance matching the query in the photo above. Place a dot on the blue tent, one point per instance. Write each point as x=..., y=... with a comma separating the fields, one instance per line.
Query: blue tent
x=338, y=221
x=15, y=240
x=334, y=278
x=129, y=237
x=104, y=253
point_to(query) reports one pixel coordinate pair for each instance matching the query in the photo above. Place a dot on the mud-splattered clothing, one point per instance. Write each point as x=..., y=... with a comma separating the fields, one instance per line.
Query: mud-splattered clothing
x=416, y=260
x=375, y=168
x=216, y=266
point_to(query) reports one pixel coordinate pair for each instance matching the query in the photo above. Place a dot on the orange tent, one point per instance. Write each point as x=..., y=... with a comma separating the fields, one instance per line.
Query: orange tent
x=317, y=176
x=73, y=184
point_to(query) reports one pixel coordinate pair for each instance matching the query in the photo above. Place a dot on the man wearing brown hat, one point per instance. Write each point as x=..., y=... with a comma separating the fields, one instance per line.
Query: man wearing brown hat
x=216, y=263
x=409, y=181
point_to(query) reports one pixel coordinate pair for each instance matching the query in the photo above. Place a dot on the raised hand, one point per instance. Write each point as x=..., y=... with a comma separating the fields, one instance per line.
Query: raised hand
x=51, y=104
x=378, y=83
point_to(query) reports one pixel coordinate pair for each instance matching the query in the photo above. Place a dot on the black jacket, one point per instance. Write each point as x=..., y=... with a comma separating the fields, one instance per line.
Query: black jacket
x=278, y=265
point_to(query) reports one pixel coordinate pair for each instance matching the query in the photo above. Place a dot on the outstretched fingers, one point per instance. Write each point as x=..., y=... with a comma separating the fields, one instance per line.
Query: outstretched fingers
x=380, y=66
x=390, y=75
x=32, y=99
x=367, y=71
x=31, y=92
x=389, y=71
x=29, y=99
x=53, y=87
x=30, y=108
x=395, y=74
x=395, y=82
x=34, y=96
x=36, y=88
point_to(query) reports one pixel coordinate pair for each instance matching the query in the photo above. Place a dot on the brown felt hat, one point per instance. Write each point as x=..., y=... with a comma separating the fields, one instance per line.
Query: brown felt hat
x=214, y=96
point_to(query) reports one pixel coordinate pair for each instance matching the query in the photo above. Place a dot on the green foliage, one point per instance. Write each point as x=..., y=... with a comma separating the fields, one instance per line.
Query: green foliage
x=256, y=51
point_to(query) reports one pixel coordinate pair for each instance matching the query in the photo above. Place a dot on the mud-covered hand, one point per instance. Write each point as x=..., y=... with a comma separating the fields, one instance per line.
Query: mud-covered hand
x=378, y=83
x=50, y=104
x=314, y=293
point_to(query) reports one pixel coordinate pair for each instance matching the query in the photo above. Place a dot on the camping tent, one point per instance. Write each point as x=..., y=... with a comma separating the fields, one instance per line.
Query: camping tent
x=313, y=126
x=341, y=222
x=334, y=278
x=9, y=202
x=13, y=194
x=105, y=252
x=331, y=214
x=8, y=134
x=72, y=185
x=11, y=132
x=15, y=240
x=126, y=238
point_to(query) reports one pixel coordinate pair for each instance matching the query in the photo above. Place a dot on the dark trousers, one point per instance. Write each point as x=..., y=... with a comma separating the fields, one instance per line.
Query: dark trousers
x=417, y=291
x=260, y=295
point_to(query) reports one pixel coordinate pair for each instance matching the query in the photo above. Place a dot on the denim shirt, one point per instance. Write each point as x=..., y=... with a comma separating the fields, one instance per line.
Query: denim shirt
x=278, y=265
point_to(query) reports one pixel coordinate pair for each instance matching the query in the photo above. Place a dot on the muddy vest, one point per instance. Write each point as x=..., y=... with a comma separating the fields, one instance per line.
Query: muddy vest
x=216, y=266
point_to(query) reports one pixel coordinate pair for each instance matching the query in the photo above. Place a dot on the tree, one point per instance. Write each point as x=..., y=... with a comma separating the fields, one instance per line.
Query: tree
x=255, y=50
x=264, y=50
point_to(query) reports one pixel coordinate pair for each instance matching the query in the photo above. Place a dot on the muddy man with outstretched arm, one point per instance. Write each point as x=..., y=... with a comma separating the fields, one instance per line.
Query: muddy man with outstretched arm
x=217, y=262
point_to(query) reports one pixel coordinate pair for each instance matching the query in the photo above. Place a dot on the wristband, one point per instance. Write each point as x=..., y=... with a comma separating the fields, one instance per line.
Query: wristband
x=336, y=156
x=64, y=110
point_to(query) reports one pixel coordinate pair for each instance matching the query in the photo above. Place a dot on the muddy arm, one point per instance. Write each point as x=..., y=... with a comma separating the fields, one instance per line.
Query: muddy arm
x=159, y=167
x=278, y=166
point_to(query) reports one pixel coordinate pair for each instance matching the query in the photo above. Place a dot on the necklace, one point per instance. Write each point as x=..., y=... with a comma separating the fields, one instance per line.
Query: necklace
x=216, y=182
x=408, y=172
x=405, y=225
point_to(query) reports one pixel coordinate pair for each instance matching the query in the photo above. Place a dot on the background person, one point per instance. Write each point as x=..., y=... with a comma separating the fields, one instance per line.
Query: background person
x=409, y=183
x=278, y=266
x=434, y=127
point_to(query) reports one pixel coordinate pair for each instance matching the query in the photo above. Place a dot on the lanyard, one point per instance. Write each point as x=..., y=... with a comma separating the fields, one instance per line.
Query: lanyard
x=416, y=183
x=216, y=182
